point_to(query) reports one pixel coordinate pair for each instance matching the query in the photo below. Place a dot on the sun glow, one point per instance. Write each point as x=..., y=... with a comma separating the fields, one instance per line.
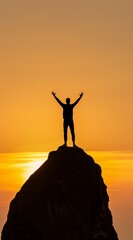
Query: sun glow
x=117, y=169
x=31, y=167
x=17, y=168
x=34, y=161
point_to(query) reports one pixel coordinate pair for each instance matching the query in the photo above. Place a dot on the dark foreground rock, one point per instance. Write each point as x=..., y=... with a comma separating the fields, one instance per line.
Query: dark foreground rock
x=65, y=199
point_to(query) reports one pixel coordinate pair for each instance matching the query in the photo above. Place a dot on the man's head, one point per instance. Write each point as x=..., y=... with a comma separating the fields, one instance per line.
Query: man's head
x=68, y=100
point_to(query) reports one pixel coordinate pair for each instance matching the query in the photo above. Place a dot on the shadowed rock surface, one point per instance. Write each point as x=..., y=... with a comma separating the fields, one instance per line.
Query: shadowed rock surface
x=65, y=199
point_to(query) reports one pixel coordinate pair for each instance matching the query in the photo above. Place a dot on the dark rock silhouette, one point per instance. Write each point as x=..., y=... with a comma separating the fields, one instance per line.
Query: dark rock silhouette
x=65, y=199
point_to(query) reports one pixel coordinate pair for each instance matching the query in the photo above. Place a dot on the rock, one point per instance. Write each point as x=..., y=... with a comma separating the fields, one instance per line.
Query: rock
x=65, y=199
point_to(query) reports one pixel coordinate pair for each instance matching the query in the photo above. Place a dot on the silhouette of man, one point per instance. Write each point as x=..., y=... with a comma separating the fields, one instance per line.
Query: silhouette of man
x=68, y=116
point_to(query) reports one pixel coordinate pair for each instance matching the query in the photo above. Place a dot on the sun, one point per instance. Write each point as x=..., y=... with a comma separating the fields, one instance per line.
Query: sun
x=35, y=161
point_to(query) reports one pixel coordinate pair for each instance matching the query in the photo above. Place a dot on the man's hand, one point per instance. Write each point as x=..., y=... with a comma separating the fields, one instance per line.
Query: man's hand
x=81, y=94
x=53, y=93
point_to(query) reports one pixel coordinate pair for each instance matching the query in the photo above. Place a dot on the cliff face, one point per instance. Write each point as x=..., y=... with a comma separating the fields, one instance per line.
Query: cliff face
x=65, y=199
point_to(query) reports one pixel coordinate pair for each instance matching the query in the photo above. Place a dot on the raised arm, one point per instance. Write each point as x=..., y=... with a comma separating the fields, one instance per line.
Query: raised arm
x=80, y=96
x=57, y=99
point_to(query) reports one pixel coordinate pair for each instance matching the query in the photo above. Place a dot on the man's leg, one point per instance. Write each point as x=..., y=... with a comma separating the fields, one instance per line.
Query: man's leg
x=65, y=126
x=71, y=125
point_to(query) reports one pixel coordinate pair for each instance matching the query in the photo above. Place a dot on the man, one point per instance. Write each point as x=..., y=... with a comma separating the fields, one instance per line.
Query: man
x=68, y=116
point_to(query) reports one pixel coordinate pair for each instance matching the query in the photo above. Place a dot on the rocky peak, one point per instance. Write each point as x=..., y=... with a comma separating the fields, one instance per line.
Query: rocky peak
x=65, y=199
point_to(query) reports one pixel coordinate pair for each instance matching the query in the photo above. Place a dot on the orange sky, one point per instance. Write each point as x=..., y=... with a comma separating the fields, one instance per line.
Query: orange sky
x=69, y=47
x=117, y=169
